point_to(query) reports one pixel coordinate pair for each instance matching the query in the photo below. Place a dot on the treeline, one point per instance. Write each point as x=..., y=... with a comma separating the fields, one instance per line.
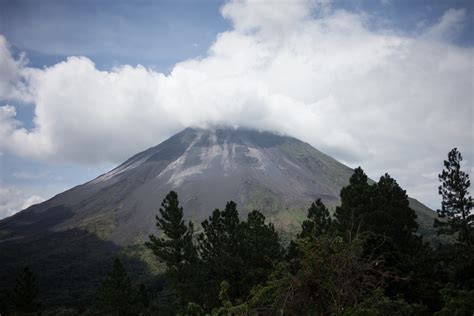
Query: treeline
x=365, y=260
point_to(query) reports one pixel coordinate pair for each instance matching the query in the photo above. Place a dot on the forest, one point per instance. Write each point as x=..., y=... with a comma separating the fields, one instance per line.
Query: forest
x=365, y=259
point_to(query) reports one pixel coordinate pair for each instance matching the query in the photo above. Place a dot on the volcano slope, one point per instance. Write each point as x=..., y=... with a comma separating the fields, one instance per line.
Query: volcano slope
x=72, y=238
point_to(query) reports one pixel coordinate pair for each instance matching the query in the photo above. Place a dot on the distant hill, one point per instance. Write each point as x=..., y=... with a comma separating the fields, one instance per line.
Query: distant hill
x=71, y=238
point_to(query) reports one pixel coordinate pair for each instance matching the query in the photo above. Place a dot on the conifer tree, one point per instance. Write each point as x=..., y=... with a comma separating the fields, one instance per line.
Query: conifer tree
x=392, y=215
x=175, y=246
x=26, y=292
x=456, y=204
x=142, y=296
x=219, y=247
x=356, y=202
x=241, y=253
x=261, y=249
x=318, y=221
x=380, y=215
x=116, y=295
x=381, y=208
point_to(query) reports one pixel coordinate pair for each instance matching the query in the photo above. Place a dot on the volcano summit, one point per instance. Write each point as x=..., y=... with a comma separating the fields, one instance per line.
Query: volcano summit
x=278, y=175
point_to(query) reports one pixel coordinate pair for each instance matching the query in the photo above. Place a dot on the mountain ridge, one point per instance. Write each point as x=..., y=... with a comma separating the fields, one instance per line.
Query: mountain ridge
x=78, y=232
x=280, y=175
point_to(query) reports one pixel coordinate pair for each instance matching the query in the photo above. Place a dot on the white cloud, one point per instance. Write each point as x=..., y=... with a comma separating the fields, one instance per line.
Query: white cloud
x=13, y=200
x=371, y=97
x=448, y=26
x=273, y=19
x=13, y=74
x=32, y=200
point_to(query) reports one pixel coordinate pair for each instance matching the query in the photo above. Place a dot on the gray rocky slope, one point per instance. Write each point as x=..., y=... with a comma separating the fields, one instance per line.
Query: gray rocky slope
x=278, y=175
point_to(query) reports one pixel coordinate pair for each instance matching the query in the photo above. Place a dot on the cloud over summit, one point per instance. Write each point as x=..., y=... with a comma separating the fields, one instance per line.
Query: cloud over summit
x=366, y=96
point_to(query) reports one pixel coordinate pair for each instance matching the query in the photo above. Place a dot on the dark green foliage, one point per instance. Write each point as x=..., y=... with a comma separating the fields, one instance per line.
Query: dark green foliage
x=225, y=308
x=380, y=305
x=380, y=216
x=219, y=247
x=142, y=296
x=64, y=311
x=382, y=208
x=26, y=292
x=163, y=302
x=333, y=275
x=455, y=267
x=367, y=261
x=378, y=251
x=175, y=246
x=456, y=202
x=392, y=214
x=240, y=253
x=318, y=221
x=456, y=262
x=457, y=303
x=116, y=295
x=260, y=250
x=389, y=233
x=356, y=203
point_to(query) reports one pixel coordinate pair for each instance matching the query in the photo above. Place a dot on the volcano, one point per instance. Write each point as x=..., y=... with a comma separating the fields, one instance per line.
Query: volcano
x=80, y=229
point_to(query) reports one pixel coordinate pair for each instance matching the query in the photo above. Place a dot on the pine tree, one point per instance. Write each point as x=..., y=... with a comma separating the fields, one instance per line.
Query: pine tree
x=142, y=296
x=456, y=202
x=116, y=295
x=380, y=216
x=220, y=247
x=26, y=292
x=241, y=253
x=392, y=215
x=356, y=202
x=261, y=249
x=381, y=208
x=175, y=245
x=318, y=221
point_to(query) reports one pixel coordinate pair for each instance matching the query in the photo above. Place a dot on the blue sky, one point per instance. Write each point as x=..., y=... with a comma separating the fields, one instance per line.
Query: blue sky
x=111, y=33
x=156, y=34
x=169, y=38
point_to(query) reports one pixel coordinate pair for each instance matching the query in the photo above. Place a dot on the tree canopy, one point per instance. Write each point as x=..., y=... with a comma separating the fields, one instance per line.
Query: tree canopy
x=456, y=205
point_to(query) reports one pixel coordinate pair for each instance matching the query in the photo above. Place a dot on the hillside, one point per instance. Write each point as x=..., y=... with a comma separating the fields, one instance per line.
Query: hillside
x=83, y=228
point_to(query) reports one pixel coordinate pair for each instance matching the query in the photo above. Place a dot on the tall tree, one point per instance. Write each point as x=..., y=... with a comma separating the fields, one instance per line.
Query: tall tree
x=175, y=245
x=219, y=247
x=318, y=221
x=261, y=249
x=241, y=253
x=26, y=292
x=456, y=202
x=116, y=295
x=381, y=208
x=356, y=202
x=392, y=215
x=380, y=215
